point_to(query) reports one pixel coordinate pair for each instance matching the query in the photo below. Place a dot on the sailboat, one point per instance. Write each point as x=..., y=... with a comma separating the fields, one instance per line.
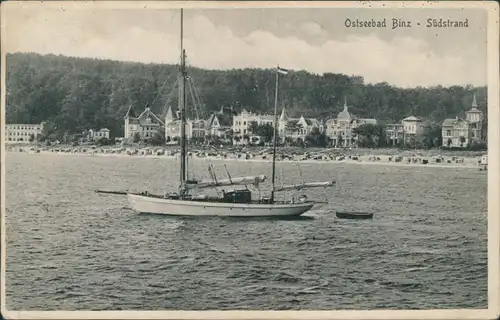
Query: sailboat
x=187, y=200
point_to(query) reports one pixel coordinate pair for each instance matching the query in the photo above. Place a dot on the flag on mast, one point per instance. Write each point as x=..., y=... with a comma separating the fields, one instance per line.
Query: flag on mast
x=281, y=70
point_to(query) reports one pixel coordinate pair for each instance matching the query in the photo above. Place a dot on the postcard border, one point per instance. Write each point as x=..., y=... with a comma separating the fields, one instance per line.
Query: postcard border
x=493, y=176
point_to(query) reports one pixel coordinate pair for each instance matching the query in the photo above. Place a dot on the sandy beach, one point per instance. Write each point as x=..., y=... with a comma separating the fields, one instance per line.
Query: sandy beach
x=323, y=158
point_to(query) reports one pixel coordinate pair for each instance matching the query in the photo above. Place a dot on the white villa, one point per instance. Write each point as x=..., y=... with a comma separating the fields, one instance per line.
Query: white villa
x=394, y=133
x=458, y=132
x=412, y=126
x=217, y=125
x=22, y=133
x=241, y=122
x=409, y=128
x=98, y=134
x=297, y=128
x=340, y=130
x=294, y=128
x=241, y=125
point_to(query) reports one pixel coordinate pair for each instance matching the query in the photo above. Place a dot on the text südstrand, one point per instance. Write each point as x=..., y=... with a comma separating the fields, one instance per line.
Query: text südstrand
x=395, y=23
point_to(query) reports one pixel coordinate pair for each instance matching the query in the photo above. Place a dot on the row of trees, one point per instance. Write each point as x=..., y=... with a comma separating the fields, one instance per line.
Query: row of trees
x=77, y=94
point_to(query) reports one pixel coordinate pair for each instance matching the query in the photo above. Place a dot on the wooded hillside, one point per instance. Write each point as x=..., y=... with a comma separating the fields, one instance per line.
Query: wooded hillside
x=79, y=93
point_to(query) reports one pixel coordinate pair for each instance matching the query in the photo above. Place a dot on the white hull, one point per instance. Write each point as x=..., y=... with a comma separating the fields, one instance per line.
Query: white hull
x=144, y=204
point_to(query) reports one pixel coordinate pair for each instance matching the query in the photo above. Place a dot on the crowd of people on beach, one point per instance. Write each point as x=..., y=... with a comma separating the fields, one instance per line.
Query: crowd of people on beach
x=265, y=154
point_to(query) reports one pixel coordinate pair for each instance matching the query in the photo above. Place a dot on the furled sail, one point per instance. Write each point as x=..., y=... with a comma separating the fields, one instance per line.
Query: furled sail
x=228, y=182
x=305, y=185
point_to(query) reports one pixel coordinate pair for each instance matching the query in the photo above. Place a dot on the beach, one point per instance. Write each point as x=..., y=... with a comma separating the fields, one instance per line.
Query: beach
x=384, y=157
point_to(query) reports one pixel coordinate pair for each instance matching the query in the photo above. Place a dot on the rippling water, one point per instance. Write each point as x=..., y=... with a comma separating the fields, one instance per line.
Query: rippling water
x=71, y=249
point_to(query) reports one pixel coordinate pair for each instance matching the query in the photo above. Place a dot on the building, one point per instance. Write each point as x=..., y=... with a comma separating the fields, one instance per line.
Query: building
x=22, y=133
x=173, y=127
x=297, y=128
x=293, y=128
x=95, y=135
x=146, y=125
x=220, y=124
x=456, y=133
x=459, y=132
x=475, y=118
x=197, y=129
x=241, y=122
x=394, y=134
x=241, y=125
x=412, y=126
x=340, y=129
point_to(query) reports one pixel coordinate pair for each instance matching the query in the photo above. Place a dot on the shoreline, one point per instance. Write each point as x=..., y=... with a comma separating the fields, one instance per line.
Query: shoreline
x=468, y=163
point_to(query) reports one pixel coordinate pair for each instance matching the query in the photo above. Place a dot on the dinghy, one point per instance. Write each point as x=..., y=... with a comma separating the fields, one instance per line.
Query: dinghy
x=354, y=215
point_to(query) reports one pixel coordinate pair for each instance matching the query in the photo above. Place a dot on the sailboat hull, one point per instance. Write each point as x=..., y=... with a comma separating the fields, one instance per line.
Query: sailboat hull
x=146, y=204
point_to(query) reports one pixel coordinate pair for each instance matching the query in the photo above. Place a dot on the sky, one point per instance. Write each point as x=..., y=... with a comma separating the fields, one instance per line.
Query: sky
x=312, y=39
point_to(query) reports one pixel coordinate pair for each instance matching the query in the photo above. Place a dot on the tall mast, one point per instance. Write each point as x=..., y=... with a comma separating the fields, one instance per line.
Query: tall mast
x=182, y=106
x=275, y=135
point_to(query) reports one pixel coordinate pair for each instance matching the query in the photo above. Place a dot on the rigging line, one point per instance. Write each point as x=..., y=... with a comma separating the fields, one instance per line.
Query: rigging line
x=198, y=98
x=197, y=93
x=228, y=174
x=193, y=97
x=199, y=103
x=190, y=174
x=162, y=86
x=300, y=171
x=208, y=164
x=169, y=98
x=190, y=87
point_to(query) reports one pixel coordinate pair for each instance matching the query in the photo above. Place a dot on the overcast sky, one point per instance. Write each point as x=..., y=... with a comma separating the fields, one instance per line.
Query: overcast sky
x=312, y=39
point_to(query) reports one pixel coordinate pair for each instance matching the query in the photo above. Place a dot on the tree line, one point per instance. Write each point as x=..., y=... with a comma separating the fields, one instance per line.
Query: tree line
x=77, y=94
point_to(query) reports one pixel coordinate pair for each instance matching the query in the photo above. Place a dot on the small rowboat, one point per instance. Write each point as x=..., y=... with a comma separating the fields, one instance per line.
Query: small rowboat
x=354, y=215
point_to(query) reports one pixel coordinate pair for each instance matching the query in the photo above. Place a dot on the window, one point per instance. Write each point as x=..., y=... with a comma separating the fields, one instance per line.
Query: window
x=448, y=133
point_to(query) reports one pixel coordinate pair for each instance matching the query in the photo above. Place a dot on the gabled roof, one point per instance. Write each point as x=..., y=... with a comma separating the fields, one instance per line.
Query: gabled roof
x=449, y=122
x=283, y=115
x=224, y=119
x=312, y=121
x=147, y=112
x=169, y=114
x=211, y=119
